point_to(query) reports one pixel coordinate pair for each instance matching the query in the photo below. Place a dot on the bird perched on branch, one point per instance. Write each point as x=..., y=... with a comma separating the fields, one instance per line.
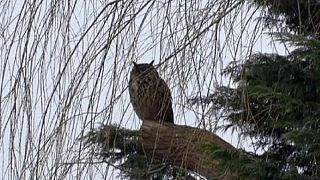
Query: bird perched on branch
x=149, y=94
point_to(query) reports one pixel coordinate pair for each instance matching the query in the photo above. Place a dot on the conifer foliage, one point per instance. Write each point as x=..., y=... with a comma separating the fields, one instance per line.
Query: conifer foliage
x=277, y=101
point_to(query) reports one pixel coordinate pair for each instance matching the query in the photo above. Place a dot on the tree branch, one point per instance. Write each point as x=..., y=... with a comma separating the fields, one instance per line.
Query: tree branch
x=184, y=146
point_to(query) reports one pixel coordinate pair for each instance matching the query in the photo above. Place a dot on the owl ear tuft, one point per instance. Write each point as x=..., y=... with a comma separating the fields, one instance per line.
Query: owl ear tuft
x=151, y=63
x=134, y=63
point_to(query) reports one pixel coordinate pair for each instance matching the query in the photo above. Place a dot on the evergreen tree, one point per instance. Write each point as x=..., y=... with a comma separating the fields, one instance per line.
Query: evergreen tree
x=277, y=101
x=277, y=97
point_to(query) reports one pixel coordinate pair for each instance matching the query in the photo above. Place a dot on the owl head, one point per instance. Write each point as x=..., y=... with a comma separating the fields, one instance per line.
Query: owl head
x=143, y=69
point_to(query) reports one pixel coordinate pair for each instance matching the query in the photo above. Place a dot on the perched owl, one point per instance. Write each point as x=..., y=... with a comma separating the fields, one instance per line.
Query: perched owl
x=149, y=94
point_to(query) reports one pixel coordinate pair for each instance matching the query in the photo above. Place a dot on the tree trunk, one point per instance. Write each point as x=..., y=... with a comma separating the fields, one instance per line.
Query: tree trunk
x=184, y=146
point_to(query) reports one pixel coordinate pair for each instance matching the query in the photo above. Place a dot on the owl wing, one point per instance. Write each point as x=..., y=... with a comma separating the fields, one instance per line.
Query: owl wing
x=166, y=105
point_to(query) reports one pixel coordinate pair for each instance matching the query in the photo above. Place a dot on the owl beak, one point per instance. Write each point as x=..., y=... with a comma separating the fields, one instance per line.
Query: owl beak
x=151, y=63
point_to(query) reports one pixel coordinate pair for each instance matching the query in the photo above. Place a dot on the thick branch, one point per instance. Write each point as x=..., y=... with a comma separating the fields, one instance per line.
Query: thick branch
x=184, y=146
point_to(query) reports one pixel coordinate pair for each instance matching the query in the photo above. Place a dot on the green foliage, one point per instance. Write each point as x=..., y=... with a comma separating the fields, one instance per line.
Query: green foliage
x=277, y=101
x=297, y=16
x=250, y=166
x=118, y=146
x=114, y=143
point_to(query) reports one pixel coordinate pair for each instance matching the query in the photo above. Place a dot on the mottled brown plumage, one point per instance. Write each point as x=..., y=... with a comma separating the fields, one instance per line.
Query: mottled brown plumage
x=149, y=94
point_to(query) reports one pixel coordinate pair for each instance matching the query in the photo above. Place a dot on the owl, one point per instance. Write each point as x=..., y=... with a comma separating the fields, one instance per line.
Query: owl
x=149, y=94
